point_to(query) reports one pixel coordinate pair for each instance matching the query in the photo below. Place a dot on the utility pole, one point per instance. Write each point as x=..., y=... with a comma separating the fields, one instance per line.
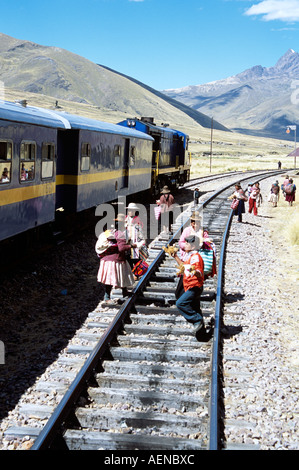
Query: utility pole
x=211, y=152
x=293, y=128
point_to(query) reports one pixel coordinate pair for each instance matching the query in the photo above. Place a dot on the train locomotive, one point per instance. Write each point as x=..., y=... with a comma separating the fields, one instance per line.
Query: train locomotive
x=52, y=161
x=170, y=161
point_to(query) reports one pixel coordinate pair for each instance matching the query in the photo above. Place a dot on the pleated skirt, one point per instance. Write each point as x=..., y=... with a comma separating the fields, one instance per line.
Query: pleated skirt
x=115, y=273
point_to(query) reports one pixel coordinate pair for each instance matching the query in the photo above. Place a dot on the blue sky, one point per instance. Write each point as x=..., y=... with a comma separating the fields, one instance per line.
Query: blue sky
x=162, y=43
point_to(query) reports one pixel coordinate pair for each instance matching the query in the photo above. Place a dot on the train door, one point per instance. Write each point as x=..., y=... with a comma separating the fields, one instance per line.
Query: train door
x=124, y=183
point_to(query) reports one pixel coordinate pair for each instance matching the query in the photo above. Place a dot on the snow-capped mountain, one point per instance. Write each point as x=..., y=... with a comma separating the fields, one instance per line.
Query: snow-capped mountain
x=260, y=100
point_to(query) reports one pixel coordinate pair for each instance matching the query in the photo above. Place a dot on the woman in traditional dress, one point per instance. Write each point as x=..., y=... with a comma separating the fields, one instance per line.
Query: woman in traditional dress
x=195, y=228
x=115, y=271
x=290, y=190
x=166, y=202
x=134, y=233
x=239, y=195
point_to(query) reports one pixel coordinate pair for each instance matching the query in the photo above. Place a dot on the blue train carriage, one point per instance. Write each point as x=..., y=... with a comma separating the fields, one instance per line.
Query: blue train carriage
x=28, y=138
x=170, y=159
x=98, y=161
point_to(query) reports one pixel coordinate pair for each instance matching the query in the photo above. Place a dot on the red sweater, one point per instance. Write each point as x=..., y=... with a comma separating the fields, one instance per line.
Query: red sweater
x=189, y=279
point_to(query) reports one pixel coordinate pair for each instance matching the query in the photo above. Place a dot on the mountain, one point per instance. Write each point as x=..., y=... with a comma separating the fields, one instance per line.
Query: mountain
x=51, y=71
x=259, y=101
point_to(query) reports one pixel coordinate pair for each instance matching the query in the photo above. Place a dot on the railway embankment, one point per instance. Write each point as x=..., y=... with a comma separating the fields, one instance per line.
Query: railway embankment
x=260, y=351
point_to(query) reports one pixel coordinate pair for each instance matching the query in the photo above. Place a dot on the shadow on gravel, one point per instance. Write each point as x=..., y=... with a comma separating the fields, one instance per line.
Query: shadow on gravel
x=251, y=224
x=228, y=331
x=43, y=304
x=231, y=298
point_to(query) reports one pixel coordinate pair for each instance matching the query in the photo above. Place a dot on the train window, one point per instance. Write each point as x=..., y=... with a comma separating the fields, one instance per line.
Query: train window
x=5, y=161
x=133, y=156
x=5, y=150
x=117, y=152
x=85, y=156
x=48, y=154
x=27, y=163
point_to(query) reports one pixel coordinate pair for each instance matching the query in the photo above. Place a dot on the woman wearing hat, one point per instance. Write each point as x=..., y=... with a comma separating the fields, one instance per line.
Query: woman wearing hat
x=195, y=228
x=239, y=195
x=114, y=271
x=290, y=192
x=133, y=225
x=132, y=217
x=166, y=202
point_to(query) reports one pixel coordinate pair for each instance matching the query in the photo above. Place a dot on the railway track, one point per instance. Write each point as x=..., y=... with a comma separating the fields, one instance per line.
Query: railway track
x=146, y=381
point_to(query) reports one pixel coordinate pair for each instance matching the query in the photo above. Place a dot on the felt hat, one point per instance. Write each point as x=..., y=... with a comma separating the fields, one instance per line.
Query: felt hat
x=165, y=190
x=133, y=206
x=196, y=216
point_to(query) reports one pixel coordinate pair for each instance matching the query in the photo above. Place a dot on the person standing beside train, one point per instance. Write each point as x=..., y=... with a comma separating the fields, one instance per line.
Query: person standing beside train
x=166, y=202
x=114, y=271
x=134, y=233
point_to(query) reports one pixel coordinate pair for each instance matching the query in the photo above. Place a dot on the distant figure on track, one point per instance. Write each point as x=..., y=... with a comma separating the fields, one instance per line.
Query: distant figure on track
x=196, y=195
x=166, y=202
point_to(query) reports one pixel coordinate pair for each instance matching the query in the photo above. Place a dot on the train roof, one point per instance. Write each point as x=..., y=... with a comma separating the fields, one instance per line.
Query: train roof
x=145, y=126
x=80, y=122
x=20, y=112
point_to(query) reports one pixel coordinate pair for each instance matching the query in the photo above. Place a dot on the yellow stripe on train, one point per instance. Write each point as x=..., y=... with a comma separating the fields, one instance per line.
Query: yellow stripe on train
x=24, y=193
x=98, y=177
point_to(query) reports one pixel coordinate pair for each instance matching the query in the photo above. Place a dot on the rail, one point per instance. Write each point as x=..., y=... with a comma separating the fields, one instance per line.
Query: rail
x=54, y=426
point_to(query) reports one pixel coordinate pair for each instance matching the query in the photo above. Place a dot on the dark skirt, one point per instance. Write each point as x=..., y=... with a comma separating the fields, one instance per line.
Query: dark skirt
x=290, y=197
x=240, y=209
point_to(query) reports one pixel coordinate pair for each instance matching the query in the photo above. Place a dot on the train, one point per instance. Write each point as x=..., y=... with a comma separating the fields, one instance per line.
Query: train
x=52, y=161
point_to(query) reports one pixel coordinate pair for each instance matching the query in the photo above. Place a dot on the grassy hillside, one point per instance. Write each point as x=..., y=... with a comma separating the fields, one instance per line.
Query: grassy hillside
x=55, y=72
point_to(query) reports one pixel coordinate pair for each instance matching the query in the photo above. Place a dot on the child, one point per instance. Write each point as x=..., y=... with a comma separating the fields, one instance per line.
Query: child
x=189, y=302
x=249, y=189
x=254, y=196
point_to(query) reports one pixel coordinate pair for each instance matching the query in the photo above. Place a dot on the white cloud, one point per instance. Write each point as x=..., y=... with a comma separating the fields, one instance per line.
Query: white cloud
x=283, y=10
